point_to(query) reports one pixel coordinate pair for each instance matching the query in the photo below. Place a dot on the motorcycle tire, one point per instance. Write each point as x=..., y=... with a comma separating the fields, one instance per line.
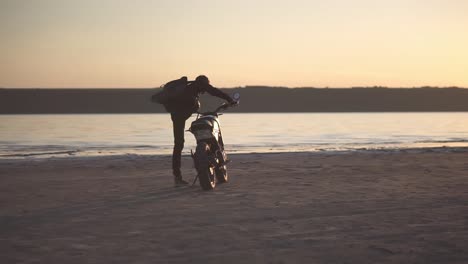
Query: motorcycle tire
x=206, y=171
x=221, y=174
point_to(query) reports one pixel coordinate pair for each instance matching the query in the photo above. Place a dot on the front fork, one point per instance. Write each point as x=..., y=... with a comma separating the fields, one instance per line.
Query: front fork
x=223, y=156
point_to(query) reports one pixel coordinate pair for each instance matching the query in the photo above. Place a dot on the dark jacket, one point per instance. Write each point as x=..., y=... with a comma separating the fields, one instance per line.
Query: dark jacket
x=189, y=102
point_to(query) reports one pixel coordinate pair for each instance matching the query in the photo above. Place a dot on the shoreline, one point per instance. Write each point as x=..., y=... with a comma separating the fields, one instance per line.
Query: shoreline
x=71, y=155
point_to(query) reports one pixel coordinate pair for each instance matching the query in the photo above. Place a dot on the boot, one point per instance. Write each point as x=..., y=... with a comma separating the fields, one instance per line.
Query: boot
x=178, y=181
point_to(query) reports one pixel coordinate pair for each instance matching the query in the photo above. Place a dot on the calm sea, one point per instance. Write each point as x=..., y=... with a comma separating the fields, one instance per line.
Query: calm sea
x=33, y=136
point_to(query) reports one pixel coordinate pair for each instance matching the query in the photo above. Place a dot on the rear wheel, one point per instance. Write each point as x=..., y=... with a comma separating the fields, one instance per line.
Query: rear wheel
x=206, y=171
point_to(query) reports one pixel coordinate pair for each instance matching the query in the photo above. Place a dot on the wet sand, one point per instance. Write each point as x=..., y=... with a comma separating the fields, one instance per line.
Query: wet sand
x=362, y=207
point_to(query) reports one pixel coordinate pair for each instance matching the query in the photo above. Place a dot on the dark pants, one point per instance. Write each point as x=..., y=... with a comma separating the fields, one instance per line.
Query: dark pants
x=178, y=124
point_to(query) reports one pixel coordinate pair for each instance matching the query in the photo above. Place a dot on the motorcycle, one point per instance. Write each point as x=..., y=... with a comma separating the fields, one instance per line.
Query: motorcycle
x=210, y=158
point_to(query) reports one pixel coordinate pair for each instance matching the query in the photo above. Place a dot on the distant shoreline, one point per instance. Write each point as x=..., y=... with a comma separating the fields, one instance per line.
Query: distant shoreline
x=163, y=113
x=236, y=87
x=254, y=99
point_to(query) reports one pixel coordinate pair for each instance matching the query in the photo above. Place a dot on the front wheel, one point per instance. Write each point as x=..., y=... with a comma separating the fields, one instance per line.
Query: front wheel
x=221, y=174
x=206, y=171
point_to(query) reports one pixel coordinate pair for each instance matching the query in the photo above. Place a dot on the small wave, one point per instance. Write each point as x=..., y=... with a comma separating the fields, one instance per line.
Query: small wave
x=41, y=151
x=69, y=152
x=142, y=147
x=455, y=140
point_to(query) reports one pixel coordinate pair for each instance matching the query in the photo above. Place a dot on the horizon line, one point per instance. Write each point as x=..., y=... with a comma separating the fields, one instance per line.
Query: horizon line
x=252, y=86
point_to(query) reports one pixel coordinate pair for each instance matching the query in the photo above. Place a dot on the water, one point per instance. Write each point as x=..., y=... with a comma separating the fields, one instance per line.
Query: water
x=33, y=136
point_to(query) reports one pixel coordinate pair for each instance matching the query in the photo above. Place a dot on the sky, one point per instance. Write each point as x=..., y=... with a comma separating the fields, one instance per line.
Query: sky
x=294, y=43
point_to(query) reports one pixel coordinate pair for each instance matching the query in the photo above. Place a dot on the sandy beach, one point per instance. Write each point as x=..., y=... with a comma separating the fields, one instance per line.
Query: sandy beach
x=406, y=206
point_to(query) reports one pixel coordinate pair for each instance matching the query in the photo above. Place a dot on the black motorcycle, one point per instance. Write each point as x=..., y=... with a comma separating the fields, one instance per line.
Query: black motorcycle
x=210, y=157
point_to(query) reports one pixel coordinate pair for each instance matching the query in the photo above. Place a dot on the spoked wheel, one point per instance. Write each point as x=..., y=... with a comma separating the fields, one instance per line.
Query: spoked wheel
x=206, y=171
x=221, y=171
x=221, y=174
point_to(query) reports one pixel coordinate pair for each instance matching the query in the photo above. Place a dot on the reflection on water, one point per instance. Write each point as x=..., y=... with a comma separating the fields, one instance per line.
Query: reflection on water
x=31, y=135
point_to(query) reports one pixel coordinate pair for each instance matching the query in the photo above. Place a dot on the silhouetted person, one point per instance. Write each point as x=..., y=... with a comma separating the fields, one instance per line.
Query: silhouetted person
x=181, y=109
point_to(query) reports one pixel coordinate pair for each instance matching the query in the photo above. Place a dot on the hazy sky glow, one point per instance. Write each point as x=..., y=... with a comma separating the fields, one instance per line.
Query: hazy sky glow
x=143, y=43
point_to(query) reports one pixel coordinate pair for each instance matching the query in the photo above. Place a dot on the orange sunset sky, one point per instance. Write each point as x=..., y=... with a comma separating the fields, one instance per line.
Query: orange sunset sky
x=295, y=43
